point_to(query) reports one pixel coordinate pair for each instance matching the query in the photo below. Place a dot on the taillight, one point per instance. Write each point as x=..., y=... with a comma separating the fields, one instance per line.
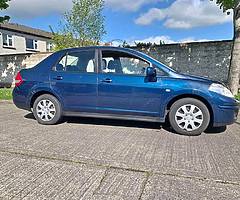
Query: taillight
x=18, y=80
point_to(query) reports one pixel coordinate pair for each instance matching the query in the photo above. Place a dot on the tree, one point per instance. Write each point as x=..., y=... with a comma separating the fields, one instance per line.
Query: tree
x=4, y=5
x=234, y=71
x=82, y=26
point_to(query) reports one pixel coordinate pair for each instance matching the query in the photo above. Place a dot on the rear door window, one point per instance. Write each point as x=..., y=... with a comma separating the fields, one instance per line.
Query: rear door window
x=80, y=61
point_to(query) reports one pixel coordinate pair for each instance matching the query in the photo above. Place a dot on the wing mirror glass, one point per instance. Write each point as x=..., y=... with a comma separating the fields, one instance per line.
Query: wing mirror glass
x=151, y=74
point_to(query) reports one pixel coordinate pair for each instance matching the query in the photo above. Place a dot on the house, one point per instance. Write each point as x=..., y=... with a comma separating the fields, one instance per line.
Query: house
x=18, y=39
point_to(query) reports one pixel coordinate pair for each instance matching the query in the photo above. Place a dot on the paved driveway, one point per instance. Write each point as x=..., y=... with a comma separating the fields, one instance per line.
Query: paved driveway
x=105, y=159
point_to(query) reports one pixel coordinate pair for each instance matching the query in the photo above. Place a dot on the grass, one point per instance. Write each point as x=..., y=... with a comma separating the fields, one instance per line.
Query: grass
x=5, y=93
x=238, y=96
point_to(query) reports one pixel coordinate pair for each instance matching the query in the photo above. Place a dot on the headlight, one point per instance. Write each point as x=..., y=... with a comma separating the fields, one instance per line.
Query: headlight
x=220, y=89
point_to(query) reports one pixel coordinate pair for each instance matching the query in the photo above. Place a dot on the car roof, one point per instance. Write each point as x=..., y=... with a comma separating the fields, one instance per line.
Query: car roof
x=99, y=47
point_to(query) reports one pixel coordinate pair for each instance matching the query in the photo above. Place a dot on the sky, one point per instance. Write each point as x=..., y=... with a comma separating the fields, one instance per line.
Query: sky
x=170, y=21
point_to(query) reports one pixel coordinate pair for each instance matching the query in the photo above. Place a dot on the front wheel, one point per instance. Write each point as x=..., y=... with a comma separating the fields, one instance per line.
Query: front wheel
x=189, y=116
x=47, y=110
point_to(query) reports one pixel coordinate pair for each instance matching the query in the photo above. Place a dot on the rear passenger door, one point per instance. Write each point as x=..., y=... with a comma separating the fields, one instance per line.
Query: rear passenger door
x=74, y=78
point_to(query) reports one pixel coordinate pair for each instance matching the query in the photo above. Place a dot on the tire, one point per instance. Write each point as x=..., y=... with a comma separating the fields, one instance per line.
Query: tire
x=47, y=110
x=189, y=116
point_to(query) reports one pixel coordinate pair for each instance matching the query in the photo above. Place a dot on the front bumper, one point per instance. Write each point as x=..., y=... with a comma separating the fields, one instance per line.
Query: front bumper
x=225, y=115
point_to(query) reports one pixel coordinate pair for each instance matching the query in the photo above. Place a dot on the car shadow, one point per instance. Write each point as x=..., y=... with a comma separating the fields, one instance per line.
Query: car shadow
x=106, y=122
x=126, y=123
x=29, y=116
x=112, y=122
x=216, y=130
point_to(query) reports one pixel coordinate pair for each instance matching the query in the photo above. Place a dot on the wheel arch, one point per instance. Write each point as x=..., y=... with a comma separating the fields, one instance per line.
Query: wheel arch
x=194, y=96
x=42, y=92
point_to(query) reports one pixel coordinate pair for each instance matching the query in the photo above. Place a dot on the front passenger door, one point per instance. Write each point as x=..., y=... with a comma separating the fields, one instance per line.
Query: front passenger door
x=123, y=88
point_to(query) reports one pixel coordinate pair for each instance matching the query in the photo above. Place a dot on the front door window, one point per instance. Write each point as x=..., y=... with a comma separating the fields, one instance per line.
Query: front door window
x=122, y=63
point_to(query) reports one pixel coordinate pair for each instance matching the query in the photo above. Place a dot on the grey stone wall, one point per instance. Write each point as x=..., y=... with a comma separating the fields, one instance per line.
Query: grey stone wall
x=209, y=59
x=11, y=64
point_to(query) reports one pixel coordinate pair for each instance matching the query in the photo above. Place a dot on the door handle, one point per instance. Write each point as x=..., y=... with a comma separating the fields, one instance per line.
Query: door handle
x=107, y=80
x=58, y=78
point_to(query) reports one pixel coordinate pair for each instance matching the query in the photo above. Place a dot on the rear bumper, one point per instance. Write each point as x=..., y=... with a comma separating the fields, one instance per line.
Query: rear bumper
x=225, y=115
x=20, y=99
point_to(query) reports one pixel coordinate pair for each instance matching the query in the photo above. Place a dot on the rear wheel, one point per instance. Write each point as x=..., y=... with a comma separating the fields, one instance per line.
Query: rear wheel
x=189, y=116
x=47, y=110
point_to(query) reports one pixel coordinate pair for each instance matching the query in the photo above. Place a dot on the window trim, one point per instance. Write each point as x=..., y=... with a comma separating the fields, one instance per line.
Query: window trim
x=163, y=76
x=8, y=36
x=76, y=72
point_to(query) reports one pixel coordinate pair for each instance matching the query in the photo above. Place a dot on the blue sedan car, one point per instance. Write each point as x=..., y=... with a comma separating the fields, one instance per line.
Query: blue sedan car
x=120, y=83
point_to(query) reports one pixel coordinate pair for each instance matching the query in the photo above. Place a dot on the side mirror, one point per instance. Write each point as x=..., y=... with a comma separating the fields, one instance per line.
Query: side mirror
x=59, y=67
x=151, y=72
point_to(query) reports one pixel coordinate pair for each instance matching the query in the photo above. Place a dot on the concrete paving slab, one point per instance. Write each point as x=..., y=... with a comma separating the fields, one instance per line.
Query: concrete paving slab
x=30, y=178
x=170, y=187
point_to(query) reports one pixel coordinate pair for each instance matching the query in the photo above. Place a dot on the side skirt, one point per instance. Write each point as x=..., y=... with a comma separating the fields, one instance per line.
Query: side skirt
x=113, y=116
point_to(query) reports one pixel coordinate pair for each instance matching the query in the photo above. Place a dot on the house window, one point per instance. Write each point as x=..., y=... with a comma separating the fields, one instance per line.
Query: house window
x=31, y=44
x=49, y=46
x=7, y=40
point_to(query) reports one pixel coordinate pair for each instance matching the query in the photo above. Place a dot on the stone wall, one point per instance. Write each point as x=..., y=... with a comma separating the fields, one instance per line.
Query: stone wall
x=209, y=59
x=11, y=64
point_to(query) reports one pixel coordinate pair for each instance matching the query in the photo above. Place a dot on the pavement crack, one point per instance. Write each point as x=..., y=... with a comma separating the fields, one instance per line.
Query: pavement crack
x=129, y=169
x=144, y=185
x=198, y=178
x=102, y=180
